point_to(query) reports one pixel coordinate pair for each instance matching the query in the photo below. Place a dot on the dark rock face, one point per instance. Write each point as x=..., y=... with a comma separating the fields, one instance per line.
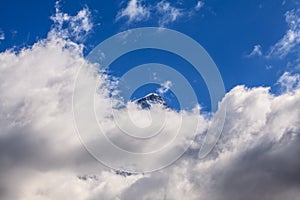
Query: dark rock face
x=123, y=173
x=151, y=99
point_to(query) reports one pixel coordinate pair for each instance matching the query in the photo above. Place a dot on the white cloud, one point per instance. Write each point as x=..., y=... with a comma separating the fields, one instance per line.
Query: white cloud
x=166, y=86
x=41, y=157
x=291, y=39
x=75, y=27
x=289, y=82
x=163, y=12
x=256, y=51
x=199, y=5
x=168, y=13
x=38, y=141
x=135, y=11
x=2, y=35
x=260, y=134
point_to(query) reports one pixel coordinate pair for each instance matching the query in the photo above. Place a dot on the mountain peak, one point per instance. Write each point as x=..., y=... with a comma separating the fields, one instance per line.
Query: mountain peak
x=150, y=99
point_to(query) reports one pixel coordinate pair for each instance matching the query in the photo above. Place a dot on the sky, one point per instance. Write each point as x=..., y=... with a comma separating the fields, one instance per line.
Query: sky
x=254, y=28
x=51, y=112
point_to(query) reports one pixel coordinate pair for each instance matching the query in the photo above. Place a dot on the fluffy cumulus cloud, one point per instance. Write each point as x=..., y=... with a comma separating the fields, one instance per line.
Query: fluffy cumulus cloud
x=42, y=157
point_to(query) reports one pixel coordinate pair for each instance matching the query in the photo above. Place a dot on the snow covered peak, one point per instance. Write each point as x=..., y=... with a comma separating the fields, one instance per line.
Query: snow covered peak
x=150, y=99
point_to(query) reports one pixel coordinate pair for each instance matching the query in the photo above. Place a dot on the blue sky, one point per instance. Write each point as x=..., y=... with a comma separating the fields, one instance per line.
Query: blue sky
x=229, y=31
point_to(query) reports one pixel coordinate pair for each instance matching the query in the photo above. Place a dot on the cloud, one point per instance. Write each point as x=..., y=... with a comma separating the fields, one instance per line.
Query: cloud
x=291, y=40
x=168, y=13
x=289, y=82
x=255, y=157
x=256, y=51
x=35, y=113
x=75, y=27
x=162, y=11
x=134, y=11
x=2, y=35
x=42, y=157
x=165, y=87
x=199, y=5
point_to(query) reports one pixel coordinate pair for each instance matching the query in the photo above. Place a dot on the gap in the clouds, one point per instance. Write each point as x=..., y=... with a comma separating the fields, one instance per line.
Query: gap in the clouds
x=135, y=58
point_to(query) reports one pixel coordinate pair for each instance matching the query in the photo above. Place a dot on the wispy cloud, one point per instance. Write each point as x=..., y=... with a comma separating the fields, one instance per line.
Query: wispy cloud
x=291, y=40
x=163, y=11
x=199, y=5
x=165, y=87
x=135, y=11
x=76, y=27
x=167, y=12
x=289, y=82
x=2, y=35
x=256, y=51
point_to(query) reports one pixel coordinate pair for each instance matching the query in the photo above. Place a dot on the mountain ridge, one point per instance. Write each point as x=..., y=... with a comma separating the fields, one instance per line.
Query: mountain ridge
x=150, y=99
